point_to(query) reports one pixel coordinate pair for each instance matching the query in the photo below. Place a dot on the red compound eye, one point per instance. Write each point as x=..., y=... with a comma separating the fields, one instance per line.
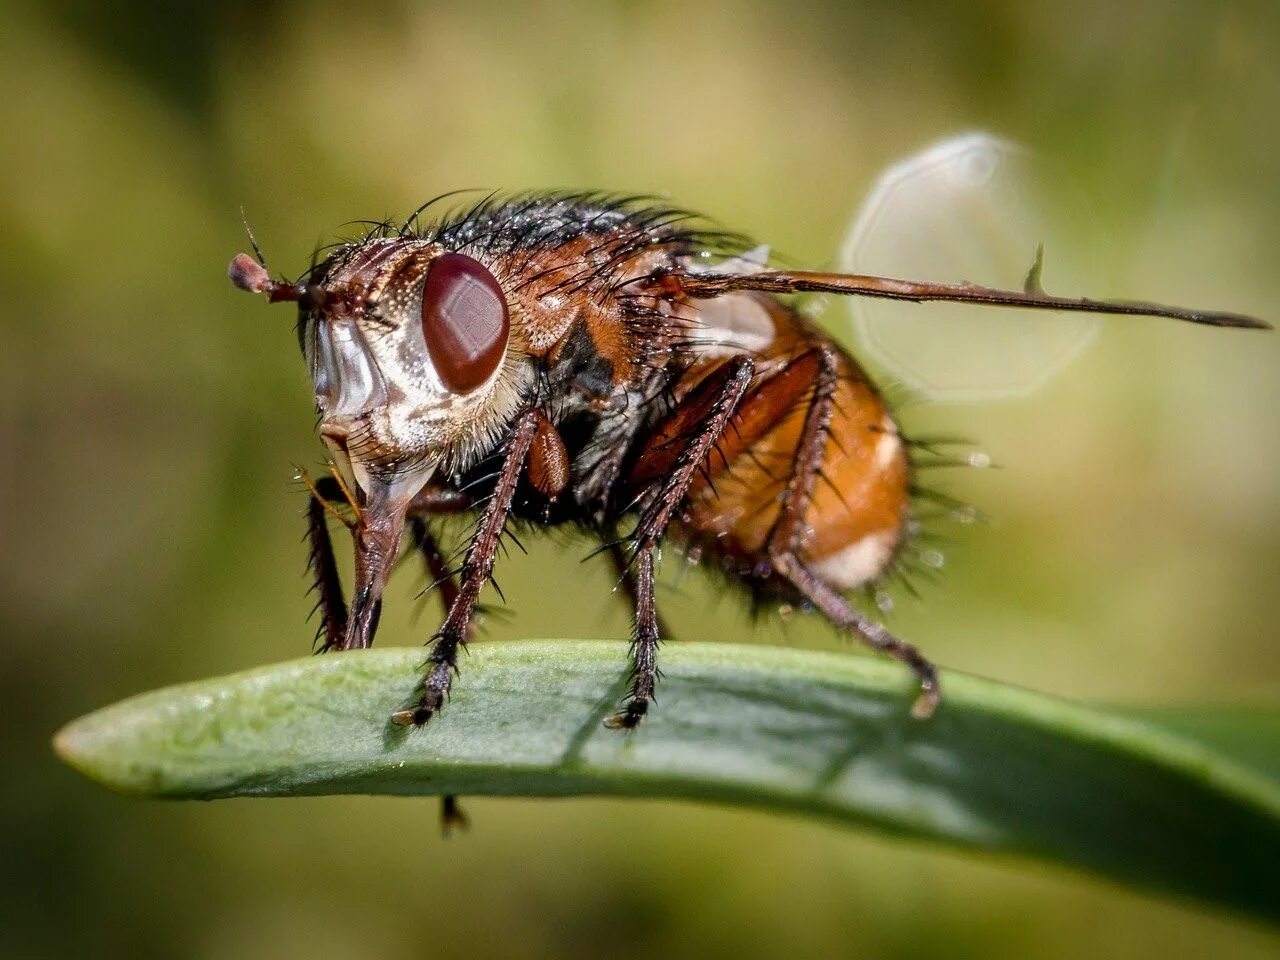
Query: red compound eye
x=464, y=320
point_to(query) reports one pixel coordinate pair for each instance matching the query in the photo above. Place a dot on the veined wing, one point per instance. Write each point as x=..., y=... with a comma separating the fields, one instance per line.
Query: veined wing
x=966, y=209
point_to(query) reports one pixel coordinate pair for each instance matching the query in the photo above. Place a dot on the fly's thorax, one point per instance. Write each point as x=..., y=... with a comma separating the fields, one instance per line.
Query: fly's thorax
x=412, y=359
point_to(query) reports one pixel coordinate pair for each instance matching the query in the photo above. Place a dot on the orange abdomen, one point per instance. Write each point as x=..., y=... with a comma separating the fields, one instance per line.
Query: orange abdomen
x=857, y=516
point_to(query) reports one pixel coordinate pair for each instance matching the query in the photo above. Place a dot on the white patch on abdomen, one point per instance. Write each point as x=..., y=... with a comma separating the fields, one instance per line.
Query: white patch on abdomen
x=860, y=562
x=889, y=444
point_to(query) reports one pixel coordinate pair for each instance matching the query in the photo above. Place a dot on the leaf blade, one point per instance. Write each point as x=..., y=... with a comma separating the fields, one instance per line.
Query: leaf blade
x=998, y=768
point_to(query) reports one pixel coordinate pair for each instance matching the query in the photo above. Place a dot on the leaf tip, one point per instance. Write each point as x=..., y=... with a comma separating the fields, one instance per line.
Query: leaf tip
x=92, y=750
x=74, y=747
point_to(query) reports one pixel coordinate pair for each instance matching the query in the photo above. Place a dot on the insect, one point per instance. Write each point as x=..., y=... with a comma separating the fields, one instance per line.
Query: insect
x=609, y=363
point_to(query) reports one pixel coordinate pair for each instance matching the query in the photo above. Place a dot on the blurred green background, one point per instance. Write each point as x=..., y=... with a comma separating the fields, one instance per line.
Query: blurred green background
x=152, y=416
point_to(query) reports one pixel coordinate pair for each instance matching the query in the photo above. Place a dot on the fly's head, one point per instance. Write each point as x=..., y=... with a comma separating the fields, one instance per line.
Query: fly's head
x=410, y=352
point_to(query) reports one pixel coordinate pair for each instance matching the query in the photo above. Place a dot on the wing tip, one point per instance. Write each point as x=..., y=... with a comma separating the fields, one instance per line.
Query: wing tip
x=1238, y=321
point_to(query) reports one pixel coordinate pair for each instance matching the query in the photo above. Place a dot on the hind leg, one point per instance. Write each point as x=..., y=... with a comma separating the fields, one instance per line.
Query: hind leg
x=787, y=536
x=843, y=614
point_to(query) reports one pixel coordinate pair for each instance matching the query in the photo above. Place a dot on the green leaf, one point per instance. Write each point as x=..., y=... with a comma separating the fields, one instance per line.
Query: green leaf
x=825, y=735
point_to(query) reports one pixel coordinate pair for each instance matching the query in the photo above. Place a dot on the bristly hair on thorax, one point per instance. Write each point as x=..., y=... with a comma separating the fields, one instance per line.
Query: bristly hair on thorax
x=531, y=222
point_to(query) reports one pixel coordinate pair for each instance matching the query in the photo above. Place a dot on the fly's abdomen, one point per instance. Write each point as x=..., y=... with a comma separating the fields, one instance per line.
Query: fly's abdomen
x=856, y=515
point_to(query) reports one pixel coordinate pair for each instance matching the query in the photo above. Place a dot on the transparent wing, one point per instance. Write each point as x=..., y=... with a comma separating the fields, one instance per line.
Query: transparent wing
x=967, y=209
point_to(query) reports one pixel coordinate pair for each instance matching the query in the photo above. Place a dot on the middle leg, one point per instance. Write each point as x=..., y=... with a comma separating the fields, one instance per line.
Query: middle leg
x=707, y=412
x=629, y=577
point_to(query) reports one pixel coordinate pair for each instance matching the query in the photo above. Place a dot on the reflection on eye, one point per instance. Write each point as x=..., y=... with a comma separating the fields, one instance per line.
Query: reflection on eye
x=464, y=321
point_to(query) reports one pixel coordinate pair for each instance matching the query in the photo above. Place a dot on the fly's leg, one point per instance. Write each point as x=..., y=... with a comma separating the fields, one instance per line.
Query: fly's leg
x=705, y=413
x=324, y=567
x=434, y=501
x=644, y=648
x=787, y=535
x=476, y=569
x=840, y=612
x=629, y=578
x=451, y=815
x=437, y=568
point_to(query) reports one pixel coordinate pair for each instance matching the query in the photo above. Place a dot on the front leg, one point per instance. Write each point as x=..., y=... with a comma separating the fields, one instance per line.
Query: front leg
x=476, y=569
x=787, y=536
x=324, y=572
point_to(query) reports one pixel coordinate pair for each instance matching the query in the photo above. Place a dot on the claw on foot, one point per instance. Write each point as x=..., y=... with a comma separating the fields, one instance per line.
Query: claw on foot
x=430, y=700
x=629, y=717
x=415, y=717
x=927, y=702
x=451, y=816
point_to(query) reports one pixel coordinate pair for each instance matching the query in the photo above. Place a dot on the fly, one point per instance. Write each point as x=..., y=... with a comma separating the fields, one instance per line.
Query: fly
x=607, y=363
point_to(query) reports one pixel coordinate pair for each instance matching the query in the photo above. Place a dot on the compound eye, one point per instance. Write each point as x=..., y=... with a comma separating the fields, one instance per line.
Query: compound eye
x=464, y=320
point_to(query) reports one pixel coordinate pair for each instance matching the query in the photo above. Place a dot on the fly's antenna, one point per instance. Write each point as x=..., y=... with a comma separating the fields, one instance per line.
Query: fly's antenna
x=249, y=274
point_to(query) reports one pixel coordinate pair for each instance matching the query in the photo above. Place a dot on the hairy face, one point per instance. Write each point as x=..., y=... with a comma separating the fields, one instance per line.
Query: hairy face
x=409, y=350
